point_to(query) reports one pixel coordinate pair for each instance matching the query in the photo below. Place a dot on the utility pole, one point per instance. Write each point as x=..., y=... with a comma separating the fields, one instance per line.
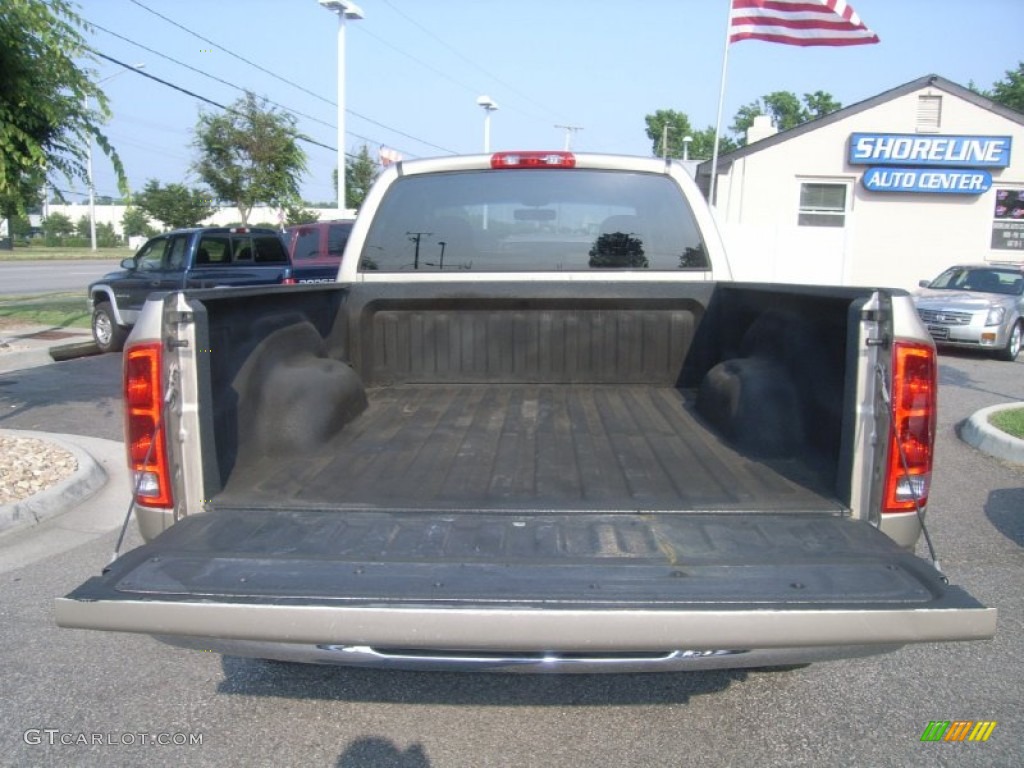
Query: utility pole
x=415, y=237
x=570, y=131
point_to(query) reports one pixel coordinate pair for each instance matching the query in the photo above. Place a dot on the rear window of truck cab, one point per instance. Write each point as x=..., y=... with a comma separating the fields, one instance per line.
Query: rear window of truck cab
x=536, y=220
x=240, y=248
x=308, y=245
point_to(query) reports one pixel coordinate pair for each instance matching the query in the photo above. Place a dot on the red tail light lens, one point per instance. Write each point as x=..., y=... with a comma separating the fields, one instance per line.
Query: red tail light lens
x=533, y=160
x=289, y=281
x=143, y=425
x=913, y=427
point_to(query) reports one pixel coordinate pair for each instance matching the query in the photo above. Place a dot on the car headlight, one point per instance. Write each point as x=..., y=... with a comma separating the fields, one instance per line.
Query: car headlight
x=995, y=316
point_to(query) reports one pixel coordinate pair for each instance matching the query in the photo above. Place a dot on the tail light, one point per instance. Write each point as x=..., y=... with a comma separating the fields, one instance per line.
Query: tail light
x=143, y=425
x=289, y=281
x=912, y=434
x=533, y=160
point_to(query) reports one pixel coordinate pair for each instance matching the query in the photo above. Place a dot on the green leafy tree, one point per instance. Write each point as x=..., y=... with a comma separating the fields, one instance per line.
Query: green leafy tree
x=136, y=222
x=250, y=155
x=20, y=226
x=46, y=121
x=785, y=109
x=360, y=173
x=22, y=198
x=57, y=227
x=1010, y=90
x=175, y=205
x=670, y=127
x=295, y=213
x=679, y=127
x=82, y=227
x=819, y=104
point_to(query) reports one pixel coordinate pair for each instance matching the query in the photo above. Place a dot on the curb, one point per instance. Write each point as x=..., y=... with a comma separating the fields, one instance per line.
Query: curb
x=37, y=352
x=978, y=433
x=59, y=498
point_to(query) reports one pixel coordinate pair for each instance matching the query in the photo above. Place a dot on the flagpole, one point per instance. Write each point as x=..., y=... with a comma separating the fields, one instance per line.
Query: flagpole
x=721, y=105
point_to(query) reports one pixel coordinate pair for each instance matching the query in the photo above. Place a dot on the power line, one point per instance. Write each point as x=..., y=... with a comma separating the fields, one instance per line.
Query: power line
x=468, y=60
x=289, y=82
x=232, y=53
x=195, y=95
x=204, y=74
x=238, y=87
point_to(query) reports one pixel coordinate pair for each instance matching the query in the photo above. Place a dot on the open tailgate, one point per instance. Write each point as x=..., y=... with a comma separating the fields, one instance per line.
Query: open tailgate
x=527, y=581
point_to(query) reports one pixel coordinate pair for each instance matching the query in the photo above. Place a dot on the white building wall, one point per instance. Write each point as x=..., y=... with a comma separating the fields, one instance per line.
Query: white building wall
x=113, y=214
x=892, y=239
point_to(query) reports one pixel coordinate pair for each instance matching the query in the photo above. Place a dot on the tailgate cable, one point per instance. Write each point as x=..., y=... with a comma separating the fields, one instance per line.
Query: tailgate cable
x=168, y=397
x=887, y=399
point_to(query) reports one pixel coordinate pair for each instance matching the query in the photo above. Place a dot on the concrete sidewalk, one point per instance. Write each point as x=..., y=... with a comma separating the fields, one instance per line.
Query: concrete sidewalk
x=29, y=346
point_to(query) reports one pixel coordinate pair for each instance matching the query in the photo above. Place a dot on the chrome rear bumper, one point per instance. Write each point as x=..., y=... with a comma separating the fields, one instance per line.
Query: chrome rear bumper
x=424, y=660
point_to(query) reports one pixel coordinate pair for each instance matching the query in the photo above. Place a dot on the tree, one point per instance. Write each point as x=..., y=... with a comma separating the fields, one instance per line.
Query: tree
x=136, y=222
x=785, y=109
x=1010, y=90
x=678, y=127
x=250, y=154
x=175, y=205
x=57, y=226
x=702, y=146
x=46, y=122
x=23, y=198
x=295, y=213
x=820, y=104
x=360, y=173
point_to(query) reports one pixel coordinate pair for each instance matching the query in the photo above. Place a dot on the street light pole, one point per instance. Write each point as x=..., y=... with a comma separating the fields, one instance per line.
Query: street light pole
x=345, y=10
x=88, y=165
x=488, y=106
x=92, y=186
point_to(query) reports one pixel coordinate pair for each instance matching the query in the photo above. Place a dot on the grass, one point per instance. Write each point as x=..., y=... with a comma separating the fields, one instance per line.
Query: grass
x=43, y=253
x=60, y=310
x=1010, y=421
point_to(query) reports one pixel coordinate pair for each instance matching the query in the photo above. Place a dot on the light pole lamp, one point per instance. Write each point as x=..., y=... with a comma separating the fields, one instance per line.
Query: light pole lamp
x=88, y=166
x=488, y=105
x=345, y=10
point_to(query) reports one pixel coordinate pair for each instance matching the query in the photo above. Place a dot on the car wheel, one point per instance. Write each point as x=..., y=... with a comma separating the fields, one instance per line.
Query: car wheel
x=109, y=336
x=1012, y=348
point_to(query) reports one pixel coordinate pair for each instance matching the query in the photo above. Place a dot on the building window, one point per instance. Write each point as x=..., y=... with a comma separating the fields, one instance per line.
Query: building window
x=822, y=205
x=929, y=113
x=1008, y=227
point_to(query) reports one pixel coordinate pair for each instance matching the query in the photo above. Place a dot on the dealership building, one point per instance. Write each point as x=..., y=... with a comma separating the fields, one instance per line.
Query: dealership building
x=884, y=192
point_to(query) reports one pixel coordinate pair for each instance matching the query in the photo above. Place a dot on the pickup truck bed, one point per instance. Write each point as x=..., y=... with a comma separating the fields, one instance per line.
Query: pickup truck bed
x=529, y=447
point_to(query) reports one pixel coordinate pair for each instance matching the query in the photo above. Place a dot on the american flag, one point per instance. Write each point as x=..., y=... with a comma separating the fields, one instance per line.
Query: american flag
x=798, y=22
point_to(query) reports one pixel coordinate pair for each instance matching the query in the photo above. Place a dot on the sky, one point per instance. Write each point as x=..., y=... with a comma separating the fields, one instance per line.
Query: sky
x=414, y=70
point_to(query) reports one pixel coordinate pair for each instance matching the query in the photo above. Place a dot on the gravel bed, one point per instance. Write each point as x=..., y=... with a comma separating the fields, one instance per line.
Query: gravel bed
x=28, y=466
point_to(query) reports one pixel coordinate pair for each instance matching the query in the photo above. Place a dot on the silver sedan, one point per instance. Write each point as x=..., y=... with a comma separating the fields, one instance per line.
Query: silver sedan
x=976, y=306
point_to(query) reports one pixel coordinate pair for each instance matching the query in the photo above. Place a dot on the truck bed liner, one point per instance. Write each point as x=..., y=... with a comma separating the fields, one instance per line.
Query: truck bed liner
x=529, y=447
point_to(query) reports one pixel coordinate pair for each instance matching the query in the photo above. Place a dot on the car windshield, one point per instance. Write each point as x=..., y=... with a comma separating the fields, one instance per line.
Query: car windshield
x=981, y=280
x=533, y=220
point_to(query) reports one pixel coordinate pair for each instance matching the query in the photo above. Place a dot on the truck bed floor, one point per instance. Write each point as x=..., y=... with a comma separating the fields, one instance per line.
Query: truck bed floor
x=528, y=447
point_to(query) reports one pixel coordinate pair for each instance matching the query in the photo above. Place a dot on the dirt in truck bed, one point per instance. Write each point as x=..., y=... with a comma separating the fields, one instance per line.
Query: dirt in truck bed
x=529, y=447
